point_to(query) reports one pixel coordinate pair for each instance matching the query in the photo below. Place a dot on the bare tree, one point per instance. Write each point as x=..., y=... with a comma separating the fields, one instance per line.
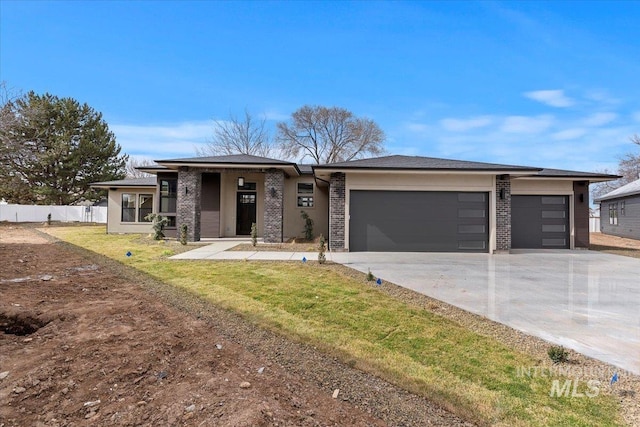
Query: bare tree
x=239, y=136
x=328, y=135
x=134, y=163
x=628, y=168
x=7, y=97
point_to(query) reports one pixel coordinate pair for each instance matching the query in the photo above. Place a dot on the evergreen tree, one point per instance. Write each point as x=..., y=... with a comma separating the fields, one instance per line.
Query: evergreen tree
x=52, y=149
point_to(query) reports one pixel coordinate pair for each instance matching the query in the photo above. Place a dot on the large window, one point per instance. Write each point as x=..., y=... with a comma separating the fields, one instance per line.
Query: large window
x=613, y=213
x=305, y=195
x=128, y=207
x=135, y=207
x=168, y=195
x=145, y=207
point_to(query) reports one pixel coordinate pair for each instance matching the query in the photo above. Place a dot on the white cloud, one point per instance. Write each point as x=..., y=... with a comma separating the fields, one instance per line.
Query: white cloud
x=162, y=141
x=602, y=97
x=568, y=134
x=553, y=98
x=526, y=124
x=463, y=125
x=417, y=127
x=274, y=115
x=636, y=116
x=599, y=119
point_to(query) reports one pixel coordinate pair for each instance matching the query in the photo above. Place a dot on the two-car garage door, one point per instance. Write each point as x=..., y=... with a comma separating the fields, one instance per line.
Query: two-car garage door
x=418, y=221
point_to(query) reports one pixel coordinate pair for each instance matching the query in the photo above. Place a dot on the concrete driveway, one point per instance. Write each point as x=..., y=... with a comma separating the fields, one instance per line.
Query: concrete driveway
x=584, y=300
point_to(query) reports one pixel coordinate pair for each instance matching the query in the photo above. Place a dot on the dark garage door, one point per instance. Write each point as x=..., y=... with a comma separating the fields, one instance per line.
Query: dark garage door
x=418, y=221
x=540, y=222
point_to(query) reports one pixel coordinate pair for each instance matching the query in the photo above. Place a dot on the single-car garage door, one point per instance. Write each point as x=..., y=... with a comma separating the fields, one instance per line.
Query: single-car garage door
x=540, y=222
x=418, y=221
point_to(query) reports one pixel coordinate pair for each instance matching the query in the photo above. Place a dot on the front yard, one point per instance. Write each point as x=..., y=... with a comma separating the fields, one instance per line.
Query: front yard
x=474, y=376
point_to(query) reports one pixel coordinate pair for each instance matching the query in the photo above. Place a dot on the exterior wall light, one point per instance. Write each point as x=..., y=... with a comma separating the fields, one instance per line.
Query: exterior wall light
x=240, y=181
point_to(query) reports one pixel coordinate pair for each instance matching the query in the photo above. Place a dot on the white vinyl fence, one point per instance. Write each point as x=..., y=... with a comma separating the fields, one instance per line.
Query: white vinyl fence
x=594, y=224
x=33, y=213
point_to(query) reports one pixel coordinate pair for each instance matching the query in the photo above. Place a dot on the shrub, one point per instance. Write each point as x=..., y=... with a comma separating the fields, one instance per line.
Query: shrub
x=254, y=234
x=370, y=276
x=159, y=222
x=321, y=249
x=183, y=234
x=308, y=225
x=558, y=354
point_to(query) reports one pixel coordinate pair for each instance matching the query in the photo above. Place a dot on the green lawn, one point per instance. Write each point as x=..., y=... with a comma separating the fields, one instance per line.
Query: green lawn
x=471, y=375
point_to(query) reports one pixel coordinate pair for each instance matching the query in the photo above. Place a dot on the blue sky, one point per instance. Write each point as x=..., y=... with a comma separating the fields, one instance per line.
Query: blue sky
x=552, y=84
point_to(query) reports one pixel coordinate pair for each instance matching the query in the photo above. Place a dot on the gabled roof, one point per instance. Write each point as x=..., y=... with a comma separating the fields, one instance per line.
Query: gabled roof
x=423, y=163
x=630, y=189
x=232, y=161
x=128, y=182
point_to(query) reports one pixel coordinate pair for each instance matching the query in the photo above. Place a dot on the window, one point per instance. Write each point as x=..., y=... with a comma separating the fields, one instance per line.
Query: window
x=168, y=195
x=622, y=208
x=145, y=207
x=613, y=213
x=128, y=207
x=305, y=195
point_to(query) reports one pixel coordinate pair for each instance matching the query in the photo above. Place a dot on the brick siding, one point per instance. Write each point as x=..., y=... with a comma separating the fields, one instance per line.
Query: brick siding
x=273, y=206
x=503, y=214
x=188, y=209
x=336, y=212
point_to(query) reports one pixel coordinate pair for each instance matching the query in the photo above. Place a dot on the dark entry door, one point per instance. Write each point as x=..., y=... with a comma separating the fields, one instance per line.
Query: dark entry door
x=245, y=212
x=419, y=221
x=540, y=222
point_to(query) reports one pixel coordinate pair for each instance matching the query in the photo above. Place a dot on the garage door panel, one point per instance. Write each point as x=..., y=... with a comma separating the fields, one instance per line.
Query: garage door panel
x=540, y=222
x=415, y=221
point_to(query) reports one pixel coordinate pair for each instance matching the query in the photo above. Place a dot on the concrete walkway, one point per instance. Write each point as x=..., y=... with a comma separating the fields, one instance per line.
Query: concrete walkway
x=219, y=250
x=583, y=300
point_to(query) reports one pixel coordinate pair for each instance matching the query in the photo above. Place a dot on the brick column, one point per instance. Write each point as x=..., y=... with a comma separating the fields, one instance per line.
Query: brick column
x=336, y=212
x=273, y=206
x=188, y=209
x=503, y=213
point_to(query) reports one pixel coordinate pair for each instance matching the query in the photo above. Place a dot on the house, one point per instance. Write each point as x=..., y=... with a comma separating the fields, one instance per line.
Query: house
x=391, y=203
x=620, y=211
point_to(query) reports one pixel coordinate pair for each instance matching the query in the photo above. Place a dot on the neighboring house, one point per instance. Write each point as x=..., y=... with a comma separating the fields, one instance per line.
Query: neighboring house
x=620, y=211
x=392, y=203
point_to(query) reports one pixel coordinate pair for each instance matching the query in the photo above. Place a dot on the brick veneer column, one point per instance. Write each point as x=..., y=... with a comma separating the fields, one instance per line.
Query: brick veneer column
x=336, y=212
x=273, y=206
x=188, y=209
x=503, y=213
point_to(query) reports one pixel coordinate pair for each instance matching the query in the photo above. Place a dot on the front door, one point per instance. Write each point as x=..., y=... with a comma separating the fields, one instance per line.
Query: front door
x=245, y=212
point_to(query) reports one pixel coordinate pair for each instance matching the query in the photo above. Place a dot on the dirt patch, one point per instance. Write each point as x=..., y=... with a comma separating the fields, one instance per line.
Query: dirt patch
x=114, y=355
x=113, y=347
x=20, y=324
x=615, y=245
